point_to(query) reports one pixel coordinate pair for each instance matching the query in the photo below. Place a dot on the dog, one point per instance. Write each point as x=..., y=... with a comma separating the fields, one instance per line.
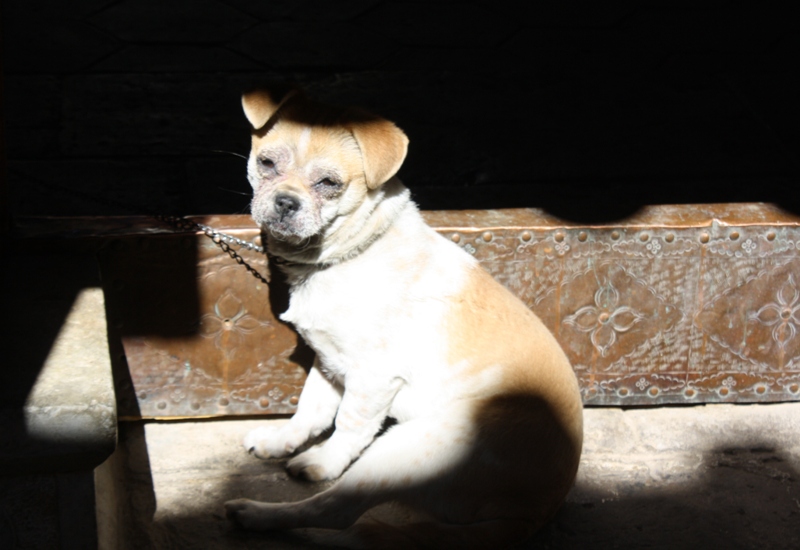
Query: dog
x=405, y=325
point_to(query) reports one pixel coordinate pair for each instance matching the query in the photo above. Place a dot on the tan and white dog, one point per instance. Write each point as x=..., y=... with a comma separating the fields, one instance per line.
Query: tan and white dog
x=405, y=325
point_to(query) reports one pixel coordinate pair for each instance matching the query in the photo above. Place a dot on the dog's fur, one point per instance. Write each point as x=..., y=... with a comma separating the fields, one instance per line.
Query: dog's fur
x=405, y=325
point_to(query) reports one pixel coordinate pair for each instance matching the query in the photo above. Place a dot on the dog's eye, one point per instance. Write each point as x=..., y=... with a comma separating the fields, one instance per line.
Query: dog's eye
x=266, y=163
x=329, y=183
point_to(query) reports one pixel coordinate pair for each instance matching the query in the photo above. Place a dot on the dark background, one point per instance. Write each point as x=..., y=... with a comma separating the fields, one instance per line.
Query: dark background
x=131, y=106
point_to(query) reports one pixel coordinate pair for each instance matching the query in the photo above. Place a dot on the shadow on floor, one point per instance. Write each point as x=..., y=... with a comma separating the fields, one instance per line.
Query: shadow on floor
x=743, y=498
x=737, y=498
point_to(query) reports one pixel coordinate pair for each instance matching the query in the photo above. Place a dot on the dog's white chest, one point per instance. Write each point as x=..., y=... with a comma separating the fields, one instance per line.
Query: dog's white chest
x=338, y=317
x=371, y=312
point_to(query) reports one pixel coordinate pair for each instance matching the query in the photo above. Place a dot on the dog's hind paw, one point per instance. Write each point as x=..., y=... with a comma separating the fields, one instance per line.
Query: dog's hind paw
x=242, y=512
x=260, y=516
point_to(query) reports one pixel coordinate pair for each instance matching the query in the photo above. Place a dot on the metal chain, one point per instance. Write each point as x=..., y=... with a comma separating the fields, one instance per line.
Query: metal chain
x=230, y=239
x=222, y=240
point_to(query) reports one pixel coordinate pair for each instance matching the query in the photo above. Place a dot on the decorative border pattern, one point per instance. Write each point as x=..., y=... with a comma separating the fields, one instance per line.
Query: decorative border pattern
x=661, y=315
x=647, y=315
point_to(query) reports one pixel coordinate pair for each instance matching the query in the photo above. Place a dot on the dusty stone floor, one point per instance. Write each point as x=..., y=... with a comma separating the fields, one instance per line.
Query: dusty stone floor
x=681, y=477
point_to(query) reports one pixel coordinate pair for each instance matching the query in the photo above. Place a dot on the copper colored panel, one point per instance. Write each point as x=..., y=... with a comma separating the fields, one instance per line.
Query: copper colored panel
x=680, y=304
x=198, y=332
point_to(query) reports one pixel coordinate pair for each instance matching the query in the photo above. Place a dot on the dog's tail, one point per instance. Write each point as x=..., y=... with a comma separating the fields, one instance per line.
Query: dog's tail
x=493, y=534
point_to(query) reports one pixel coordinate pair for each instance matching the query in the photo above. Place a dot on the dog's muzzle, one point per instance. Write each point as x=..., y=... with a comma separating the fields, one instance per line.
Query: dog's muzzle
x=286, y=206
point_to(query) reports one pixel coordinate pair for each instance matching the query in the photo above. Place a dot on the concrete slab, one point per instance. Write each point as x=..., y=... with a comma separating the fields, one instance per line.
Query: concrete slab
x=687, y=477
x=70, y=415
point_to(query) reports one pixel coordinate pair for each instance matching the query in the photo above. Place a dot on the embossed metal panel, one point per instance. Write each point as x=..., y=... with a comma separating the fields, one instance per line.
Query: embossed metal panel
x=680, y=304
x=198, y=334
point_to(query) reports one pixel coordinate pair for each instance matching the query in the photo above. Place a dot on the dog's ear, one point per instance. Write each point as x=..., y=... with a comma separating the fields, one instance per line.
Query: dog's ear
x=260, y=105
x=383, y=148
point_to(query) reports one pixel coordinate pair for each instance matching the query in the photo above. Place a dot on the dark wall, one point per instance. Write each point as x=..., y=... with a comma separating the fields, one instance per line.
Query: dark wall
x=122, y=106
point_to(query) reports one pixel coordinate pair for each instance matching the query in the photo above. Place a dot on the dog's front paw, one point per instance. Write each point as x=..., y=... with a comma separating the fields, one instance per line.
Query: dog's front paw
x=319, y=464
x=274, y=442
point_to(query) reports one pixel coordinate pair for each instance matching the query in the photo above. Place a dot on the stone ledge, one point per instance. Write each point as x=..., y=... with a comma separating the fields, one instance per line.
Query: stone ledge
x=69, y=420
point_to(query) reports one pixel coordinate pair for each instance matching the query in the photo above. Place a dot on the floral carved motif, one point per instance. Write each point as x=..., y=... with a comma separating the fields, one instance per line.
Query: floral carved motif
x=229, y=323
x=783, y=314
x=609, y=313
x=761, y=317
x=605, y=318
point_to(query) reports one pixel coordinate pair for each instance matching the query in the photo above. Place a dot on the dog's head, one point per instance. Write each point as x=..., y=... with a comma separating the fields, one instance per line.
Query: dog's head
x=313, y=166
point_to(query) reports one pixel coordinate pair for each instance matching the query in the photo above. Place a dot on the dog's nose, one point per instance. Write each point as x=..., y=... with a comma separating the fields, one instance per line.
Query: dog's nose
x=286, y=205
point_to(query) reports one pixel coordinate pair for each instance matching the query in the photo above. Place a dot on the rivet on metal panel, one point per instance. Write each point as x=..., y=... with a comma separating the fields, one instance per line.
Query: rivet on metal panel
x=723, y=391
x=455, y=237
x=263, y=402
x=770, y=236
x=195, y=405
x=526, y=236
x=162, y=405
x=582, y=236
x=142, y=395
x=761, y=389
x=487, y=236
x=223, y=402
x=294, y=400
x=734, y=235
x=559, y=237
x=704, y=238
x=794, y=388
x=669, y=237
x=653, y=392
x=689, y=392
x=644, y=237
x=623, y=391
x=615, y=235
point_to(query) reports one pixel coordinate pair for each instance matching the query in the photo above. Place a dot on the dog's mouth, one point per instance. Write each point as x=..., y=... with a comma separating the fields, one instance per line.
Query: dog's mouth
x=286, y=242
x=288, y=222
x=282, y=227
x=284, y=231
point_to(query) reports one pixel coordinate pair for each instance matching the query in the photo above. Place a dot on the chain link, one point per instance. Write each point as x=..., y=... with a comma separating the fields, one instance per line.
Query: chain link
x=216, y=236
x=222, y=240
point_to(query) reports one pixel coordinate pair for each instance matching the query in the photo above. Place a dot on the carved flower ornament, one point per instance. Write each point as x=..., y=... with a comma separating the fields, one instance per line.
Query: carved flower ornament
x=783, y=314
x=605, y=318
x=228, y=324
